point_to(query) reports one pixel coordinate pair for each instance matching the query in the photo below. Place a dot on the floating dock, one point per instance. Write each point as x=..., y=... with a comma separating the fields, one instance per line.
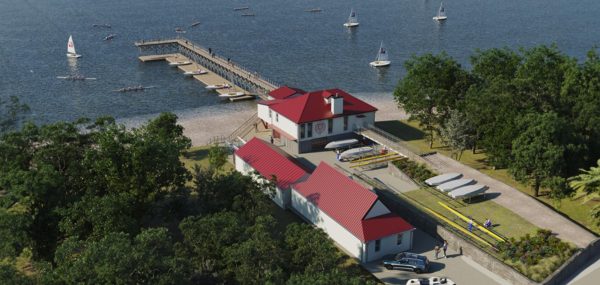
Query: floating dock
x=220, y=70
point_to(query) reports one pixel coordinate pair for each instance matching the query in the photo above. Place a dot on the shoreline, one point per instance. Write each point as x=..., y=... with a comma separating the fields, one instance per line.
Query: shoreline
x=204, y=123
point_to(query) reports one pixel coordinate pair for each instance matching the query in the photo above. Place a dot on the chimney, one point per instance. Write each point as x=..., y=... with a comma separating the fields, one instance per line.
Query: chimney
x=337, y=104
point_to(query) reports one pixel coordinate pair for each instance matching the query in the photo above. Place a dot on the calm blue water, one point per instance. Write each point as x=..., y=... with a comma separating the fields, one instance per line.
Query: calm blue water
x=307, y=50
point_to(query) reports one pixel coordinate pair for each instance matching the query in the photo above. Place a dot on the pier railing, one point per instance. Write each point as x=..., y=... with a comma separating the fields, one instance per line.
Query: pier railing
x=183, y=44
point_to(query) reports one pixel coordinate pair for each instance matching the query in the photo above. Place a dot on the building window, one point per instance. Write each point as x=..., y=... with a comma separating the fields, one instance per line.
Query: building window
x=309, y=131
x=276, y=117
x=345, y=123
x=399, y=239
x=302, y=127
x=377, y=245
x=270, y=113
x=330, y=126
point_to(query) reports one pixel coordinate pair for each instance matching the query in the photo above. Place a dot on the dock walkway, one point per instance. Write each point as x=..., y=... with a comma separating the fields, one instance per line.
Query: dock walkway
x=228, y=71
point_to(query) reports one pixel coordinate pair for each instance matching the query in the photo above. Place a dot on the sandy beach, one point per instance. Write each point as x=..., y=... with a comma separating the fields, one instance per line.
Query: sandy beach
x=203, y=124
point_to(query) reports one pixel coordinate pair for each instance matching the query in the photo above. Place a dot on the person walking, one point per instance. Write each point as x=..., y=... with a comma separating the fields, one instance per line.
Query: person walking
x=272, y=140
x=436, y=249
x=445, y=248
x=470, y=225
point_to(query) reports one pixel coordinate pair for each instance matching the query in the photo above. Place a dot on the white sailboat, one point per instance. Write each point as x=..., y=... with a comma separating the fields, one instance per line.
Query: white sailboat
x=441, y=15
x=352, y=20
x=382, y=57
x=71, y=49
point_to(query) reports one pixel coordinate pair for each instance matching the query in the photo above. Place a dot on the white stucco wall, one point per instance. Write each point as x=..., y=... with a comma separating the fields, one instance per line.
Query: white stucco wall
x=377, y=210
x=336, y=232
x=263, y=112
x=389, y=246
x=281, y=197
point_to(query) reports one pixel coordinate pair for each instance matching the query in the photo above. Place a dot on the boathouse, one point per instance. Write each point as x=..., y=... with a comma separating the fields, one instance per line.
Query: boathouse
x=258, y=156
x=351, y=215
x=305, y=122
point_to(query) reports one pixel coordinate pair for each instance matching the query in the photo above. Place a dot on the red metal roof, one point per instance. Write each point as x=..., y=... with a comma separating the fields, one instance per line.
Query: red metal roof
x=347, y=202
x=285, y=92
x=269, y=161
x=312, y=106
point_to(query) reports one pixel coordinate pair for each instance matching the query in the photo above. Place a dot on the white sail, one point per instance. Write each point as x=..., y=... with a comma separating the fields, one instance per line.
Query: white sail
x=353, y=18
x=441, y=11
x=382, y=54
x=71, y=46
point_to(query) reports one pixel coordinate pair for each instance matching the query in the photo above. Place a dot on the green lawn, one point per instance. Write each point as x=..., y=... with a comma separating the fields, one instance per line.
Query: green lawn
x=577, y=208
x=506, y=222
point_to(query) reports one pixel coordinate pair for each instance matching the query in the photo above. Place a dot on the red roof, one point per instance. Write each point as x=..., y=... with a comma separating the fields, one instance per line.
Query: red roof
x=269, y=161
x=285, y=92
x=347, y=202
x=312, y=106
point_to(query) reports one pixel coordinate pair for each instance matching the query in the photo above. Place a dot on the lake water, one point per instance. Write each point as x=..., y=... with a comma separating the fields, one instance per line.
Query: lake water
x=282, y=42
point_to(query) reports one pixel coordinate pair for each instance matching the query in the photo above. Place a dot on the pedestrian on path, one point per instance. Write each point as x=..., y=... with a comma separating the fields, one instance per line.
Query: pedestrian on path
x=470, y=226
x=445, y=248
x=272, y=140
x=436, y=249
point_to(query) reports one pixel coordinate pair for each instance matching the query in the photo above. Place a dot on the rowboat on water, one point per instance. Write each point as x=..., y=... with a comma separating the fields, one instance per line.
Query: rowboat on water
x=218, y=86
x=241, y=8
x=195, y=72
x=133, y=88
x=313, y=10
x=75, y=77
x=195, y=24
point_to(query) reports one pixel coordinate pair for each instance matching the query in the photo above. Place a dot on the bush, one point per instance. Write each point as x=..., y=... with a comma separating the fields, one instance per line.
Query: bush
x=536, y=256
x=416, y=171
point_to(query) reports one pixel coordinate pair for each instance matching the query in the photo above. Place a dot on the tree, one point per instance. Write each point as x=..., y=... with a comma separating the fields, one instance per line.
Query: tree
x=586, y=110
x=588, y=181
x=334, y=276
x=539, y=150
x=559, y=189
x=458, y=133
x=433, y=85
x=217, y=156
x=310, y=249
x=11, y=113
x=10, y=276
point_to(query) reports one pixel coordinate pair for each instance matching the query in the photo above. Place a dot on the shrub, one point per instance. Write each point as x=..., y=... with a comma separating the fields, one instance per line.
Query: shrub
x=414, y=170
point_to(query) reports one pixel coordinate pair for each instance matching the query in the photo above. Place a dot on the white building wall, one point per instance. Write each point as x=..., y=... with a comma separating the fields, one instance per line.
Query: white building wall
x=336, y=232
x=263, y=112
x=389, y=246
x=338, y=125
x=377, y=210
x=281, y=196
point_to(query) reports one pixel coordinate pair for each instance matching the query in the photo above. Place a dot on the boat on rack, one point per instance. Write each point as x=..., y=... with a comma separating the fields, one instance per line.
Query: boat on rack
x=71, y=53
x=241, y=8
x=133, y=88
x=194, y=24
x=232, y=94
x=352, y=20
x=441, y=15
x=382, y=57
x=313, y=10
x=455, y=184
x=110, y=37
x=442, y=178
x=341, y=143
x=354, y=152
x=218, y=86
x=179, y=63
x=75, y=77
x=195, y=72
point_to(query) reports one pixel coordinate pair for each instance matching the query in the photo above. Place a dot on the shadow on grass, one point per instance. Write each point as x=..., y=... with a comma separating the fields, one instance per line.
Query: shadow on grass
x=400, y=130
x=482, y=198
x=196, y=155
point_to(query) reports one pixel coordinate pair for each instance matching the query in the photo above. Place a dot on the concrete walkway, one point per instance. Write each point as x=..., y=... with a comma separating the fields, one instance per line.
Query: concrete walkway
x=521, y=204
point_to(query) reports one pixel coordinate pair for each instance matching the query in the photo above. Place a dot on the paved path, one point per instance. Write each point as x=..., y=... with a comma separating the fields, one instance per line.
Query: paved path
x=521, y=204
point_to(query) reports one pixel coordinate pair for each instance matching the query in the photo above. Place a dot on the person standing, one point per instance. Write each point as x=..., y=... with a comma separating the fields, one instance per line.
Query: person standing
x=436, y=249
x=272, y=140
x=445, y=248
x=470, y=226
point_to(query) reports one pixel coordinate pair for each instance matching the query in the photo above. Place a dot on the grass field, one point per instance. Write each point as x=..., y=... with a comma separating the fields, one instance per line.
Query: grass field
x=577, y=208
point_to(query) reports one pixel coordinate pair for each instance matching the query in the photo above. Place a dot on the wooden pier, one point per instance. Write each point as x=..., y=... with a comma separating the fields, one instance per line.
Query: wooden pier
x=221, y=70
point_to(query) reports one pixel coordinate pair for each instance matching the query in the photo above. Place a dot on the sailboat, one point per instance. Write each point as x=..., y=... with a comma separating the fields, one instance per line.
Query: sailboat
x=352, y=20
x=441, y=15
x=382, y=57
x=71, y=49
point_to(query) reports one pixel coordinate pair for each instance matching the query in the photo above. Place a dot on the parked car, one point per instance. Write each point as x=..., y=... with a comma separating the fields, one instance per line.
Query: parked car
x=408, y=261
x=430, y=281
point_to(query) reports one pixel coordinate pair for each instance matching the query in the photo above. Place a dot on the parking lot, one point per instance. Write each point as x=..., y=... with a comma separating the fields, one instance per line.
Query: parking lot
x=458, y=268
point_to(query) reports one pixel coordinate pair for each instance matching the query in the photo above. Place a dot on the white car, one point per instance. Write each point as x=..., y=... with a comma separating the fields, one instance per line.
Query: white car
x=430, y=281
